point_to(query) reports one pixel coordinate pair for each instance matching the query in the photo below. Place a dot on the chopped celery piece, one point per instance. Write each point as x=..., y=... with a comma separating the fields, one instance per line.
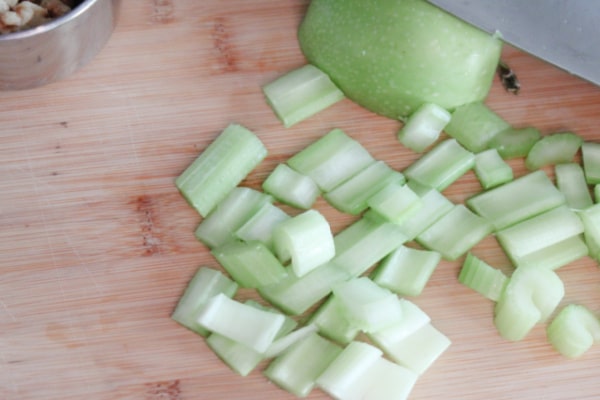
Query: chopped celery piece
x=352, y=195
x=241, y=322
x=418, y=350
x=332, y=323
x=574, y=330
x=515, y=201
x=406, y=270
x=455, y=233
x=331, y=160
x=291, y=187
x=474, y=125
x=570, y=180
x=395, y=202
x=367, y=305
x=281, y=344
x=300, y=94
x=306, y=239
x=539, y=232
x=344, y=377
x=236, y=209
x=478, y=275
x=295, y=295
x=442, y=165
x=597, y=193
x=262, y=224
x=434, y=205
x=364, y=243
x=298, y=368
x=553, y=149
x=220, y=168
x=413, y=319
x=205, y=284
x=423, y=127
x=389, y=381
x=530, y=296
x=491, y=170
x=514, y=142
x=590, y=217
x=590, y=153
x=250, y=264
x=555, y=255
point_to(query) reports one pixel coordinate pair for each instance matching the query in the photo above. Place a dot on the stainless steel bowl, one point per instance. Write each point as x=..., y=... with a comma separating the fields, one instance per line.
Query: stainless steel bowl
x=56, y=49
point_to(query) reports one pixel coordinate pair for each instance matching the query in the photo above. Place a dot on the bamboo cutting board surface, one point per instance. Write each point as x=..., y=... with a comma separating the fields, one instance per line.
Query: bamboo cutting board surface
x=96, y=244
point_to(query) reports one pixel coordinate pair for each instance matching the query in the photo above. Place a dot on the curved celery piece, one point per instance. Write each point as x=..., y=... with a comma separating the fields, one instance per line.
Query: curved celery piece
x=423, y=127
x=553, y=149
x=514, y=142
x=570, y=180
x=482, y=277
x=590, y=153
x=220, y=167
x=531, y=295
x=474, y=125
x=300, y=94
x=574, y=330
x=491, y=170
x=291, y=187
x=442, y=165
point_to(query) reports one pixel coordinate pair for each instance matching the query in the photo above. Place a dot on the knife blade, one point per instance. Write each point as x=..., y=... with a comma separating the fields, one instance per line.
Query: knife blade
x=565, y=33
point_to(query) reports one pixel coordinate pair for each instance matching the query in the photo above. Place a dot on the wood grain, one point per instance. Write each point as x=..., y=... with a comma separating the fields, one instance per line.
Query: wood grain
x=96, y=244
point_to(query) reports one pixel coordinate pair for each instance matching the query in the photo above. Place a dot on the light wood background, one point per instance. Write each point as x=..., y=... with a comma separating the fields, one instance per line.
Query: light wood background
x=96, y=245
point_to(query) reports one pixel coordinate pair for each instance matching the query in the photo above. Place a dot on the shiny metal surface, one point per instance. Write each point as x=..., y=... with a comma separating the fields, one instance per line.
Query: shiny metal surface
x=50, y=52
x=565, y=33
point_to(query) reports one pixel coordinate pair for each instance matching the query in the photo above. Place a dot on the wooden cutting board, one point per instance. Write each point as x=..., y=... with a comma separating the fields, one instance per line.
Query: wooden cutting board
x=96, y=244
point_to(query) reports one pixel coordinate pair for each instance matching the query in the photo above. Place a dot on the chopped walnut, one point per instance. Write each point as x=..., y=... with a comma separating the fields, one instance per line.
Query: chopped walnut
x=16, y=15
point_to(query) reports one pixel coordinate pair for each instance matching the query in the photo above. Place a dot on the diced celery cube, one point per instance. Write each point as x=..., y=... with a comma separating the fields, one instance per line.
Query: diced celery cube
x=423, y=127
x=570, y=180
x=514, y=142
x=554, y=149
x=574, y=330
x=491, y=169
x=291, y=187
x=395, y=202
x=482, y=277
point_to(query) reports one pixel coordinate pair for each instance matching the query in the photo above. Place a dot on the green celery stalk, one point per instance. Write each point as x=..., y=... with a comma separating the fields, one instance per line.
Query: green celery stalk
x=590, y=217
x=389, y=381
x=332, y=323
x=300, y=94
x=554, y=149
x=574, y=330
x=291, y=187
x=423, y=127
x=395, y=202
x=261, y=225
x=555, y=255
x=491, y=169
x=514, y=142
x=570, y=180
x=442, y=165
x=478, y=275
x=590, y=153
x=220, y=168
x=413, y=319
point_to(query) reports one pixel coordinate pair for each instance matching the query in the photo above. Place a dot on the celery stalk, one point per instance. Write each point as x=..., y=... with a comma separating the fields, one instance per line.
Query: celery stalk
x=590, y=153
x=389, y=381
x=574, y=330
x=423, y=127
x=291, y=187
x=220, y=168
x=514, y=142
x=332, y=323
x=491, y=169
x=554, y=149
x=482, y=277
x=395, y=202
x=555, y=255
x=413, y=319
x=570, y=180
x=590, y=217
x=261, y=225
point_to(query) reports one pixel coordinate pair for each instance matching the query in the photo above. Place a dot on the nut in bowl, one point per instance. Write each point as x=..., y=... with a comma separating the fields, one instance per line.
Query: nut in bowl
x=42, y=41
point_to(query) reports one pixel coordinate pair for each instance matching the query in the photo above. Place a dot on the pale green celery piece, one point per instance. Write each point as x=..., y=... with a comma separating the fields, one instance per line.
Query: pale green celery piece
x=205, y=284
x=554, y=149
x=291, y=187
x=332, y=323
x=406, y=270
x=301, y=93
x=591, y=229
x=364, y=243
x=331, y=160
x=514, y=142
x=556, y=255
x=597, y=193
x=262, y=224
x=474, y=125
x=390, y=381
x=305, y=238
x=434, y=205
x=590, y=153
x=530, y=297
x=240, y=322
x=574, y=330
x=352, y=195
x=539, y=232
x=480, y=276
x=298, y=368
x=570, y=180
x=442, y=165
x=455, y=233
x=220, y=168
x=346, y=377
x=423, y=127
x=515, y=201
x=229, y=215
x=367, y=305
x=296, y=295
x=281, y=344
x=250, y=264
x=239, y=357
x=395, y=202
x=400, y=54
x=491, y=170
x=413, y=319
x=418, y=350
